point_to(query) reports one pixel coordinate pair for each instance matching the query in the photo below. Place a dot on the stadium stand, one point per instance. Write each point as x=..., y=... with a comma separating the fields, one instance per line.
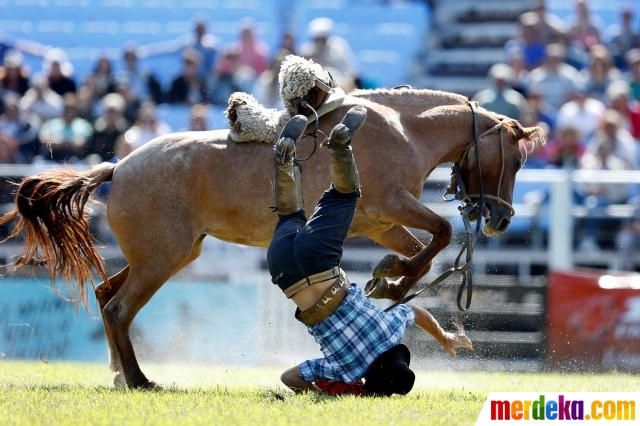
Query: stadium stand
x=385, y=39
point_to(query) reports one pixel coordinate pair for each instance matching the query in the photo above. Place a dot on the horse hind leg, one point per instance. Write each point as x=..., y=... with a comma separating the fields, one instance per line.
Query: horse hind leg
x=104, y=294
x=141, y=283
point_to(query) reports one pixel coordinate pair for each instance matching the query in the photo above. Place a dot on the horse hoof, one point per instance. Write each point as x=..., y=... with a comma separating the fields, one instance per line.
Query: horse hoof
x=386, y=266
x=119, y=381
x=151, y=385
x=377, y=288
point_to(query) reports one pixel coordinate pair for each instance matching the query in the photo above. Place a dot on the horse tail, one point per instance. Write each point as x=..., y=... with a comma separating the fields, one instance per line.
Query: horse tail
x=50, y=213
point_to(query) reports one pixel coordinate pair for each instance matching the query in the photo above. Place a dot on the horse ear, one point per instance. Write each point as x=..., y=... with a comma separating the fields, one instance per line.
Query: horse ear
x=535, y=136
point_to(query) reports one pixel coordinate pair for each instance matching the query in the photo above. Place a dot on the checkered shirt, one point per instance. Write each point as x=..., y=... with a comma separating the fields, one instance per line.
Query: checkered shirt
x=353, y=336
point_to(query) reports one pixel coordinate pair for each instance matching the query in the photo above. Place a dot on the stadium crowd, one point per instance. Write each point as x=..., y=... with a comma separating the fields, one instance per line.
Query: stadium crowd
x=53, y=116
x=577, y=78
x=580, y=81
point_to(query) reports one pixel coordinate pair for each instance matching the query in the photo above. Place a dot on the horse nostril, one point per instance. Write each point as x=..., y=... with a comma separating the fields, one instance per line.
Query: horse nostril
x=503, y=224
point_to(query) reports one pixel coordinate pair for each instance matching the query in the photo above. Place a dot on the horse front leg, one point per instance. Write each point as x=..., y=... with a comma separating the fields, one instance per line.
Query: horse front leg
x=405, y=210
x=104, y=293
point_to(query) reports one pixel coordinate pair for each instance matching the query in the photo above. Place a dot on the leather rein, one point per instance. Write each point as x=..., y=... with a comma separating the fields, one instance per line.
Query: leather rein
x=458, y=190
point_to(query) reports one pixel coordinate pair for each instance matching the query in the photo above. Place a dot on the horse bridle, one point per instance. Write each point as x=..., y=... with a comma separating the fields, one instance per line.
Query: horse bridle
x=457, y=188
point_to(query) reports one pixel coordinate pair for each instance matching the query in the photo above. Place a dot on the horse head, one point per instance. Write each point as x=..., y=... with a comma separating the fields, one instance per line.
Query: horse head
x=488, y=167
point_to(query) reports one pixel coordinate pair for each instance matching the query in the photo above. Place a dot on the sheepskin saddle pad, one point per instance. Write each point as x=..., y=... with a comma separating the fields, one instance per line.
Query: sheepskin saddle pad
x=250, y=121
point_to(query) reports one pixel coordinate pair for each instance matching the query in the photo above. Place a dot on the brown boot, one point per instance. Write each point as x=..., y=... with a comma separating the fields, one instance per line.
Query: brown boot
x=344, y=173
x=286, y=187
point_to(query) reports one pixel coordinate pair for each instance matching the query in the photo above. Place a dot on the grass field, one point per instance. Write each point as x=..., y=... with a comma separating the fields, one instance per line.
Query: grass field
x=82, y=394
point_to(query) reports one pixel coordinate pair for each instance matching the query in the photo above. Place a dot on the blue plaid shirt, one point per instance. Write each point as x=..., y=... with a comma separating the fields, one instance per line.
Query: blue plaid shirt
x=353, y=336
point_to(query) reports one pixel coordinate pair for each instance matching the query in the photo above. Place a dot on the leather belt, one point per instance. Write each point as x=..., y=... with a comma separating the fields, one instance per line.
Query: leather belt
x=312, y=279
x=328, y=303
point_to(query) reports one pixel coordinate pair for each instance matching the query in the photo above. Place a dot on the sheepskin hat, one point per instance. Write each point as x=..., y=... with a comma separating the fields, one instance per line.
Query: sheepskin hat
x=250, y=121
x=297, y=76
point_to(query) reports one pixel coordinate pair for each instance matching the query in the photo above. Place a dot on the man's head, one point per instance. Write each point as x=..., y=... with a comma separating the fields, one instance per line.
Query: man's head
x=320, y=29
x=555, y=56
x=633, y=61
x=390, y=373
x=70, y=112
x=502, y=75
x=130, y=57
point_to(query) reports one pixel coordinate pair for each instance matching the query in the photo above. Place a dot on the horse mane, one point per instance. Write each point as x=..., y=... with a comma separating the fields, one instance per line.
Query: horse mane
x=529, y=138
x=422, y=99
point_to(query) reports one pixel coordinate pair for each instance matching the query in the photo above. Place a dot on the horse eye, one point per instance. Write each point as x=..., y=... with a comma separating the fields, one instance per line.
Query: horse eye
x=517, y=164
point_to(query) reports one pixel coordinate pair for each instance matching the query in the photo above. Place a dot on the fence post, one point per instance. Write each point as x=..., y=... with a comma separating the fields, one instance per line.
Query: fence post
x=560, y=224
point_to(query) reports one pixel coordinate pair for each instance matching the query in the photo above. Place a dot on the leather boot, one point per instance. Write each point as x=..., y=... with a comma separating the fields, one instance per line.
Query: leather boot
x=344, y=173
x=286, y=187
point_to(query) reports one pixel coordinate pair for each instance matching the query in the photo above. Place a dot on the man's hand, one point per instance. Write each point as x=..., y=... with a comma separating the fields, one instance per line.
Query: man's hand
x=292, y=379
x=453, y=341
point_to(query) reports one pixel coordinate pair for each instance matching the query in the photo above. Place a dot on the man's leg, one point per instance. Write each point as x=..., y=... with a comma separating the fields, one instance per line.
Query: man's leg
x=343, y=167
x=285, y=188
x=318, y=246
x=280, y=259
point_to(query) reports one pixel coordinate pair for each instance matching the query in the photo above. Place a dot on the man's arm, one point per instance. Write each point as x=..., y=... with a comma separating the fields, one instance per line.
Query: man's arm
x=449, y=341
x=294, y=381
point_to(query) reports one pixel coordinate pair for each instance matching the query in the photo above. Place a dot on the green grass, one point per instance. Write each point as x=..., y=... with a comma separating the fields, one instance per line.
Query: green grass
x=82, y=394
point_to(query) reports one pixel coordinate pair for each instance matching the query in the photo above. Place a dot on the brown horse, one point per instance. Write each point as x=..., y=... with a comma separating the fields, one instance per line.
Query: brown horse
x=171, y=193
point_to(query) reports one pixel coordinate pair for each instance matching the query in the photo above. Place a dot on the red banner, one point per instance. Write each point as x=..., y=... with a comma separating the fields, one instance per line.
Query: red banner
x=593, y=320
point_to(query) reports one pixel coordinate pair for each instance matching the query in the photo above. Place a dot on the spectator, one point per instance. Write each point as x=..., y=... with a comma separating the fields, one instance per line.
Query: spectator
x=554, y=78
x=13, y=77
x=146, y=128
x=621, y=38
x=123, y=88
x=598, y=195
x=551, y=27
x=618, y=140
x=583, y=112
x=144, y=85
x=529, y=43
x=205, y=44
x=251, y=51
x=59, y=70
x=109, y=127
x=332, y=52
x=584, y=28
x=520, y=73
x=102, y=78
x=541, y=110
x=41, y=101
x=66, y=138
x=566, y=149
x=18, y=134
x=188, y=88
x=619, y=93
x=600, y=74
x=633, y=76
x=501, y=98
x=198, y=119
x=86, y=103
x=266, y=90
x=287, y=46
x=229, y=76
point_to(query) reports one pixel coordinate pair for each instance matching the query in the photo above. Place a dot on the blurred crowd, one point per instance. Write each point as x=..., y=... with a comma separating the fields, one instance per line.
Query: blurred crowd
x=53, y=115
x=580, y=82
